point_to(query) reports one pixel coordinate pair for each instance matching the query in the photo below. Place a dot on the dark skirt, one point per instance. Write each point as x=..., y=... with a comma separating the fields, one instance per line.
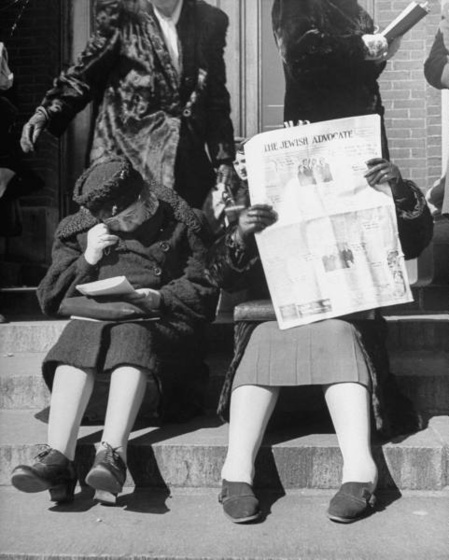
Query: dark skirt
x=317, y=354
x=102, y=346
x=393, y=413
x=174, y=362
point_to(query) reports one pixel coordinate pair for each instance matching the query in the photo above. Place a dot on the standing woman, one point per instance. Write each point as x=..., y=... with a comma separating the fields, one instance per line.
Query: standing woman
x=436, y=71
x=332, y=58
x=155, y=73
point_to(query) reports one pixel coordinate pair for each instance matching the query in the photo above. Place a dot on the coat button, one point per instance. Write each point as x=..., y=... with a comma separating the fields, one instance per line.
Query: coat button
x=165, y=246
x=187, y=113
x=157, y=271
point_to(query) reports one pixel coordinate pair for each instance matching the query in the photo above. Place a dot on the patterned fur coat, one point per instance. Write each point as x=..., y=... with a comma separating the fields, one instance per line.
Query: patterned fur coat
x=144, y=109
x=327, y=76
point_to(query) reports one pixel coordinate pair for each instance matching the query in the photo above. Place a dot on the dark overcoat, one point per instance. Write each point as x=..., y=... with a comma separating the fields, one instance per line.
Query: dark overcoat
x=159, y=119
x=166, y=253
x=234, y=267
x=323, y=55
x=436, y=61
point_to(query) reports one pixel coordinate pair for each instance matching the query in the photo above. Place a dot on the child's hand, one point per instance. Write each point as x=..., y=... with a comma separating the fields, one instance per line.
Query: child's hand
x=146, y=298
x=98, y=238
x=255, y=219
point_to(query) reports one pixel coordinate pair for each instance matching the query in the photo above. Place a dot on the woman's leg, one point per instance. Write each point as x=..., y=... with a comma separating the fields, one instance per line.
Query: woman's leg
x=349, y=407
x=251, y=408
x=126, y=392
x=71, y=391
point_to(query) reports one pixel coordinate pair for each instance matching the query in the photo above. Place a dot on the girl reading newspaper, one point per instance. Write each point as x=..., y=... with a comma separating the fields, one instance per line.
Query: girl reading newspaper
x=151, y=236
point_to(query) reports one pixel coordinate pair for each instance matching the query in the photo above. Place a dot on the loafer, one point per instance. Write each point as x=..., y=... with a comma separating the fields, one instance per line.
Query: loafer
x=52, y=471
x=353, y=501
x=107, y=475
x=240, y=505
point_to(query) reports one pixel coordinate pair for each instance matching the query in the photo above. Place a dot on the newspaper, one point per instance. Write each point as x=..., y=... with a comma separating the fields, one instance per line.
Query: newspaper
x=335, y=248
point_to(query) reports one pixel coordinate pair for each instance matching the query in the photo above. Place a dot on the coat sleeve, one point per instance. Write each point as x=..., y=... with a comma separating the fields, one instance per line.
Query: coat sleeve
x=191, y=299
x=68, y=268
x=83, y=82
x=437, y=63
x=415, y=223
x=231, y=266
x=219, y=131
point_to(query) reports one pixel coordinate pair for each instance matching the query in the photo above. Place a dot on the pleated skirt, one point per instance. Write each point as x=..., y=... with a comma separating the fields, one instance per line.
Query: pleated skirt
x=321, y=353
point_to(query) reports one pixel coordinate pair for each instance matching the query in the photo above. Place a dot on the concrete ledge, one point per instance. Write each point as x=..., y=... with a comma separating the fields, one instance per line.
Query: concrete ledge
x=192, y=454
x=422, y=375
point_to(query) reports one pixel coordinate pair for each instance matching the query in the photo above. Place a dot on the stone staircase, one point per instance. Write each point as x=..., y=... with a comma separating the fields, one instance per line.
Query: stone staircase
x=169, y=507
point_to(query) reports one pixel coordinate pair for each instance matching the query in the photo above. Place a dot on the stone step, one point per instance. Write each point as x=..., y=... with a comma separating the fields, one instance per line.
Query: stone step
x=418, y=348
x=191, y=455
x=406, y=332
x=423, y=375
x=22, y=385
x=38, y=335
x=21, y=302
x=189, y=524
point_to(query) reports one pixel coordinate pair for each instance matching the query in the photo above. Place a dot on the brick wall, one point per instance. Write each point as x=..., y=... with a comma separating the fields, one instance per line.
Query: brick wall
x=413, y=108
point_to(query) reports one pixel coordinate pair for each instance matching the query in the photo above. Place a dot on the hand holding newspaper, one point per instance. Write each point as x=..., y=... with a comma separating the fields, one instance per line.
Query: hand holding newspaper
x=335, y=248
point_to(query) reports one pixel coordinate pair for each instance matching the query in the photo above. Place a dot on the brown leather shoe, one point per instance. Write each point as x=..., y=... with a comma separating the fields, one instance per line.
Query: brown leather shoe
x=353, y=501
x=52, y=471
x=240, y=505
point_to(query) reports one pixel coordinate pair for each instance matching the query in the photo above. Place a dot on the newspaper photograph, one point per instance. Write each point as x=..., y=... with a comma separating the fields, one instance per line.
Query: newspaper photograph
x=335, y=248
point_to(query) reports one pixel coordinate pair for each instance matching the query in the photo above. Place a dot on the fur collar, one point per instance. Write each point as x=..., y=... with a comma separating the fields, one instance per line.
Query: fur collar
x=83, y=220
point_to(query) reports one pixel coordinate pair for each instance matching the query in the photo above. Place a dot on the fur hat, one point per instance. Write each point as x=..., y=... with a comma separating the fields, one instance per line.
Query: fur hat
x=110, y=185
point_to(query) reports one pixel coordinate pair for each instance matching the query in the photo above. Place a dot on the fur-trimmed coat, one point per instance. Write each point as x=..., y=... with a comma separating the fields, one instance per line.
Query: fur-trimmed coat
x=166, y=253
x=323, y=54
x=233, y=267
x=145, y=110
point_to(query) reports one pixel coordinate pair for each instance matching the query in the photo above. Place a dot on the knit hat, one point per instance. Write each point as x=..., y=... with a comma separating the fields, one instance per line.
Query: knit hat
x=110, y=185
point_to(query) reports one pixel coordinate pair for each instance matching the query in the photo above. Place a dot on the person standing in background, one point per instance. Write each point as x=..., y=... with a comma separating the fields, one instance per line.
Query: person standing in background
x=155, y=72
x=436, y=71
x=332, y=57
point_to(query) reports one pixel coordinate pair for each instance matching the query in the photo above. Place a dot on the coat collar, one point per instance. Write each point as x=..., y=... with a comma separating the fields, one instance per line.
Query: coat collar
x=83, y=220
x=157, y=40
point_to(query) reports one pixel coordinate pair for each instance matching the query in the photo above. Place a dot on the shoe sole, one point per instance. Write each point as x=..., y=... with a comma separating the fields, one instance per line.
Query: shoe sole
x=248, y=519
x=105, y=498
x=102, y=480
x=27, y=482
x=337, y=519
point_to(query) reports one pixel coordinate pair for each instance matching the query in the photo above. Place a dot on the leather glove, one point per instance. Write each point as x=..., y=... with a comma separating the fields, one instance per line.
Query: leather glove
x=32, y=130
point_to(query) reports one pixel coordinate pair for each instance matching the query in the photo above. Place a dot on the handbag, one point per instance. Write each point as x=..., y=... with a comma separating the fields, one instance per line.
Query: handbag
x=104, y=309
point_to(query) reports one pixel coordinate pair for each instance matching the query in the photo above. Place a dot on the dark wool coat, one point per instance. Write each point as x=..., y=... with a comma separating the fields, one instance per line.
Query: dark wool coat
x=327, y=76
x=232, y=267
x=145, y=110
x=434, y=65
x=166, y=253
x=436, y=61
